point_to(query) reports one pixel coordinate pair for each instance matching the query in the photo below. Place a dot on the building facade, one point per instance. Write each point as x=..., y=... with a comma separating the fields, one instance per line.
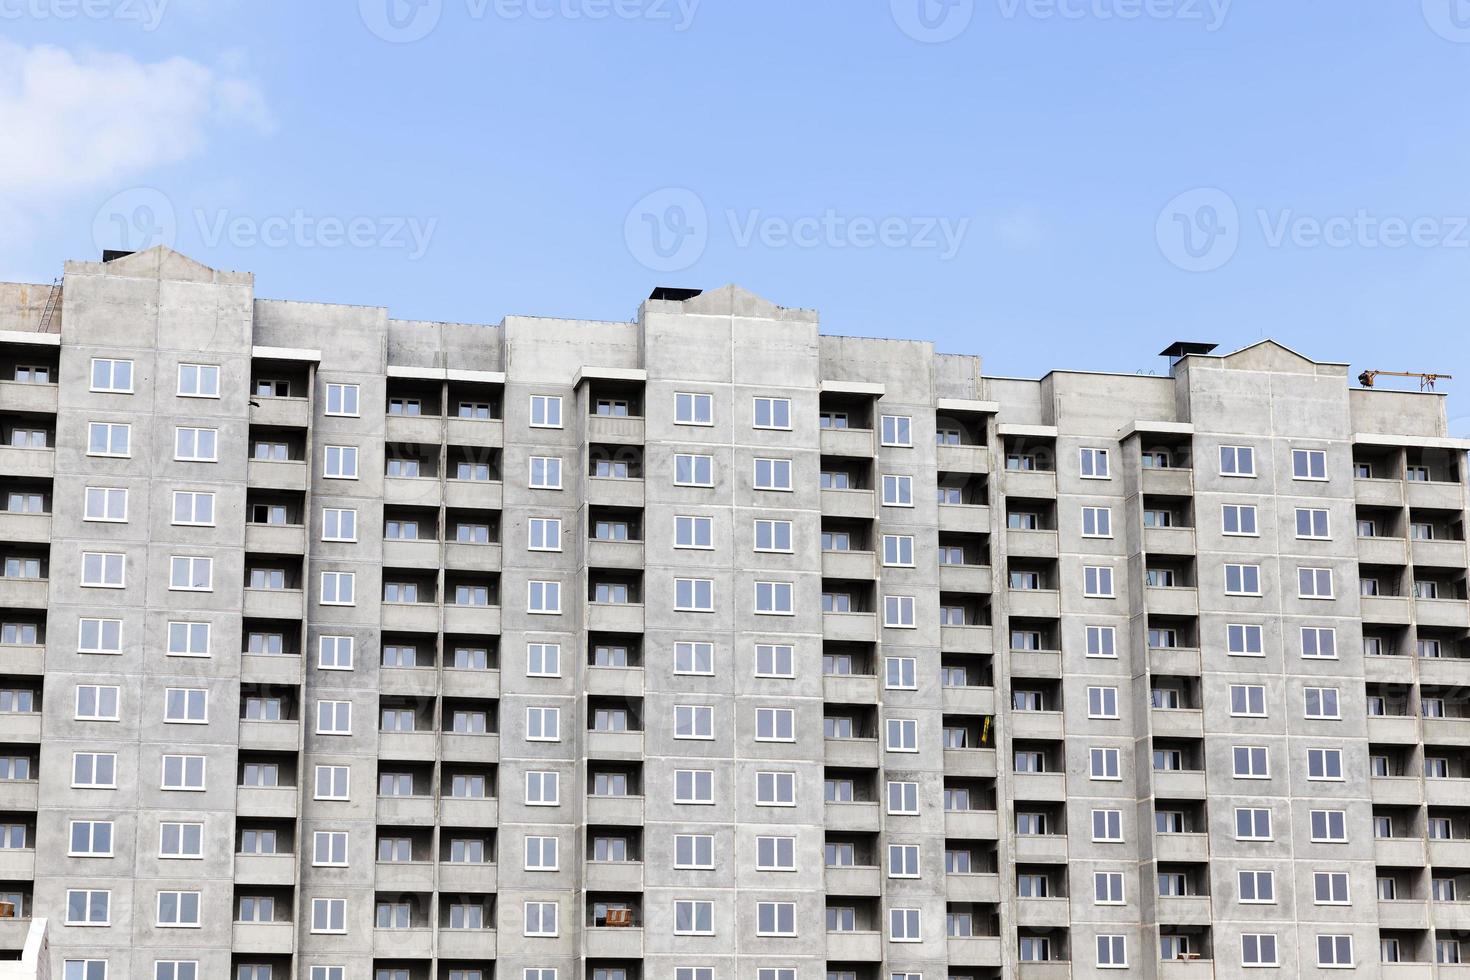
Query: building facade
x=705, y=647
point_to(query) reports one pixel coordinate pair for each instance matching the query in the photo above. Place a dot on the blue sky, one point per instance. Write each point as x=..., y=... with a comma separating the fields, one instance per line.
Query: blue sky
x=1049, y=183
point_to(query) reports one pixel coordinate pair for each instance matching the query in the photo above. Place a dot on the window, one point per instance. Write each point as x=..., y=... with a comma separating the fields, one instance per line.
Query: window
x=1312, y=523
x=903, y=798
x=1329, y=826
x=1308, y=464
x=692, y=657
x=332, y=782
x=772, y=474
x=339, y=524
x=1107, y=888
x=106, y=504
x=1258, y=887
x=901, y=673
x=694, y=918
x=541, y=854
x=1314, y=583
x=540, y=919
x=773, y=413
x=1097, y=522
x=1330, y=888
x=769, y=535
x=771, y=660
x=896, y=430
x=544, y=534
x=89, y=838
x=340, y=463
x=178, y=910
x=898, y=612
x=543, y=660
x=1252, y=823
x=1250, y=762
x=1107, y=826
x=1101, y=641
x=1102, y=702
x=1094, y=464
x=1319, y=642
x=334, y=717
x=195, y=444
x=543, y=597
x=775, y=918
x=1324, y=764
x=180, y=840
x=198, y=380
x=1237, y=461
x=1112, y=952
x=903, y=926
x=694, y=786
x=902, y=735
x=109, y=374
x=1244, y=640
x=691, y=408
x=774, y=598
x=1242, y=579
x=94, y=770
x=1321, y=702
x=109, y=439
x=775, y=789
x=898, y=491
x=1335, y=951
x=329, y=915
x=339, y=588
x=694, y=595
x=334, y=652
x=181, y=970
x=542, y=789
x=545, y=472
x=694, y=851
x=183, y=772
x=97, y=702
x=546, y=411
x=183, y=705
x=1258, y=949
x=694, y=471
x=775, y=725
x=103, y=570
x=1105, y=764
x=1097, y=581
x=88, y=907
x=342, y=399
x=698, y=532
x=1239, y=520
x=1248, y=700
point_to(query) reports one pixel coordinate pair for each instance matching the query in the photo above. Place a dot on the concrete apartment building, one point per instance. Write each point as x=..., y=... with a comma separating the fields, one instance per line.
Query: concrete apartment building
x=706, y=647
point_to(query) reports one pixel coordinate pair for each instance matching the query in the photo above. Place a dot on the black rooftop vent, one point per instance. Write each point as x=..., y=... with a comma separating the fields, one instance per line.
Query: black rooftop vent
x=673, y=294
x=108, y=254
x=1183, y=348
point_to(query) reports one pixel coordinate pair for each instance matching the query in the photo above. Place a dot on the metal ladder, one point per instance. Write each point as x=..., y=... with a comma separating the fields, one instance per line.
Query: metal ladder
x=52, y=301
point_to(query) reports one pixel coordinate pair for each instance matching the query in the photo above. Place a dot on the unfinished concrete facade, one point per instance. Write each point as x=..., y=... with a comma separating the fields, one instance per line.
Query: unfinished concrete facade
x=706, y=647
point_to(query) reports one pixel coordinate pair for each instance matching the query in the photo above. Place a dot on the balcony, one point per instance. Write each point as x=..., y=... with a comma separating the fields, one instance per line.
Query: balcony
x=275, y=603
x=466, y=683
x=1398, y=790
x=25, y=528
x=1446, y=731
x=614, y=810
x=1031, y=483
x=614, y=554
x=265, y=869
x=1379, y=493
x=977, y=824
x=411, y=554
x=292, y=413
x=1031, y=544
x=973, y=951
x=407, y=811
x=1200, y=969
x=851, y=627
x=1171, y=481
x=1454, y=916
x=417, y=942
x=1383, y=551
x=1394, y=610
x=849, y=564
x=409, y=681
x=466, y=557
x=19, y=794
x=1174, y=660
x=407, y=745
x=462, y=876
x=1405, y=852
x=962, y=459
x=468, y=811
x=1040, y=848
x=1184, y=910
x=1034, y=603
x=965, y=518
x=409, y=491
x=1035, y=724
x=1048, y=787
x=1409, y=914
x=968, y=700
x=1181, y=847
x=411, y=617
x=1176, y=601
x=474, y=494
x=266, y=801
x=404, y=876
x=24, y=593
x=467, y=944
x=613, y=876
x=1439, y=554
x=972, y=887
x=276, y=474
x=608, y=492
x=624, y=942
x=1169, y=540
x=1179, y=784
x=426, y=430
x=470, y=619
x=856, y=504
x=265, y=937
x=852, y=817
x=466, y=747
x=852, y=880
x=1434, y=495
x=20, y=726
x=1446, y=853
x=1177, y=722
x=475, y=432
x=1446, y=792
x=1043, y=913
x=23, y=659
x=850, y=688
x=1444, y=671
x=22, y=396
x=1045, y=664
x=966, y=578
x=615, y=745
x=851, y=753
x=624, y=430
x=847, y=442
x=270, y=736
x=855, y=946
x=615, y=681
x=1393, y=729
x=615, y=617
x=1447, y=613
x=966, y=639
x=18, y=864
x=980, y=763
x=37, y=463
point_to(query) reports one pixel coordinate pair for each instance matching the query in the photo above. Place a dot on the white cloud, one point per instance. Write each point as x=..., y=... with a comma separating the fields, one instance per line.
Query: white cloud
x=79, y=122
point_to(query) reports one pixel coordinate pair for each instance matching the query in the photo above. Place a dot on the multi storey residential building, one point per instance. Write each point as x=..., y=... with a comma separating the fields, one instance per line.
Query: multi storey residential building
x=706, y=647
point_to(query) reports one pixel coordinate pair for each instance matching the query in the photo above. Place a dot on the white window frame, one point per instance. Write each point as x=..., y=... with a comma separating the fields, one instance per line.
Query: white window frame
x=773, y=529
x=343, y=393
x=337, y=642
x=127, y=430
x=112, y=363
x=545, y=406
x=106, y=496
x=547, y=529
x=775, y=598
x=331, y=514
x=337, y=469
x=193, y=497
x=1311, y=456
x=1233, y=468
x=1316, y=580
x=179, y=456
x=332, y=711
x=103, y=583
x=1088, y=458
x=1095, y=589
x=694, y=467
x=772, y=402
x=547, y=602
x=898, y=490
x=902, y=435
x=692, y=523
x=338, y=578
x=546, y=465
x=201, y=373
x=776, y=467
x=1100, y=519
x=691, y=400
x=1243, y=514
x=1243, y=567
